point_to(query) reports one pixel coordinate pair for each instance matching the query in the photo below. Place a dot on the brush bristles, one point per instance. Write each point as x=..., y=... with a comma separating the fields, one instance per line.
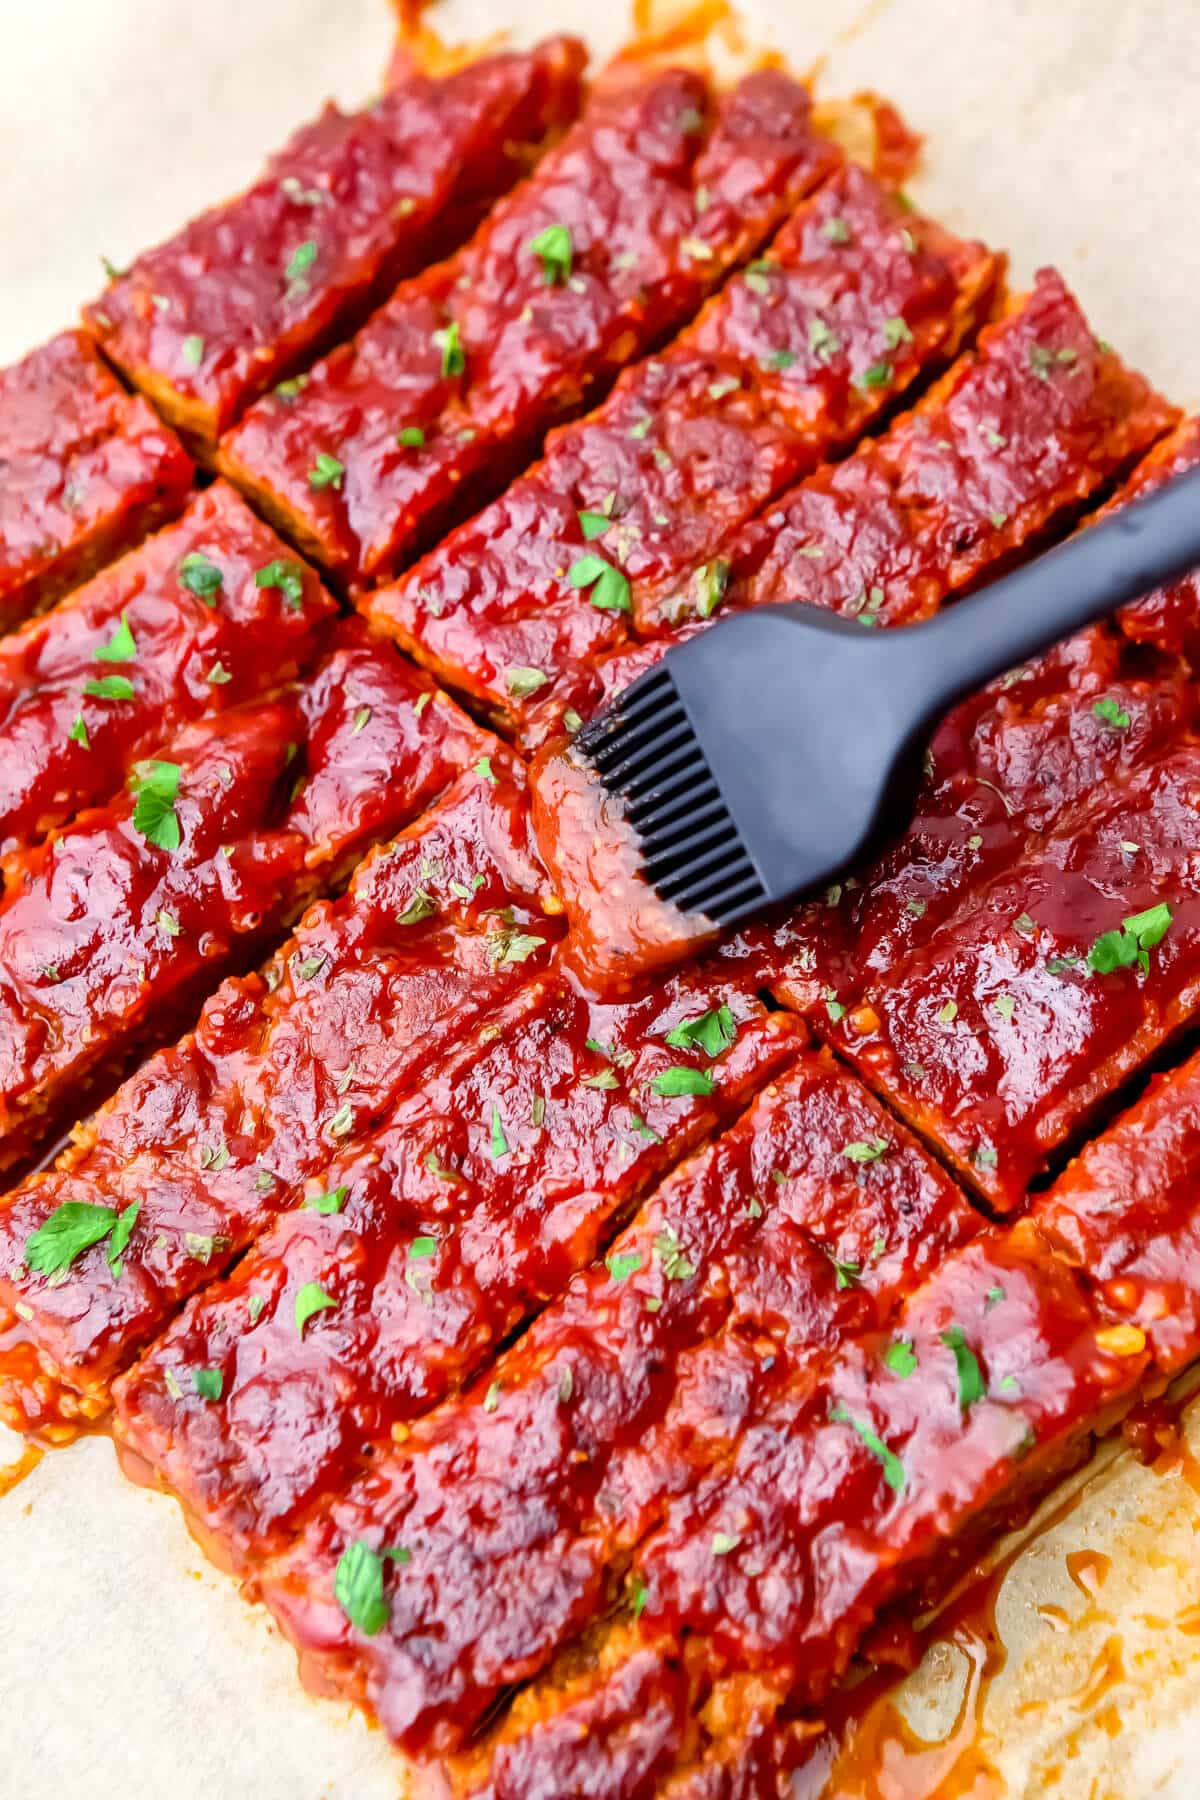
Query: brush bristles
x=639, y=701
x=644, y=749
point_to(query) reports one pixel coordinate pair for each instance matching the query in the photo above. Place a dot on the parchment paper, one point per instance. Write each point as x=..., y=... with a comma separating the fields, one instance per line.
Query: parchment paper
x=1064, y=130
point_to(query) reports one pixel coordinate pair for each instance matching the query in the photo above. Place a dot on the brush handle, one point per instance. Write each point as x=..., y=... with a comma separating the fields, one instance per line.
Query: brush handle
x=1141, y=547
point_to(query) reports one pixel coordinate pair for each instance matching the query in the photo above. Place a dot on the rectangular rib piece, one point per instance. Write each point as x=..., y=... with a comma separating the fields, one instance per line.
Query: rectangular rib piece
x=1126, y=1213
x=112, y=929
x=1009, y=443
x=1049, y=985
x=214, y=1136
x=472, y=1205
x=85, y=472
x=1002, y=769
x=519, y=1502
x=204, y=634
x=623, y=230
x=887, y=1467
x=772, y=377
x=252, y=289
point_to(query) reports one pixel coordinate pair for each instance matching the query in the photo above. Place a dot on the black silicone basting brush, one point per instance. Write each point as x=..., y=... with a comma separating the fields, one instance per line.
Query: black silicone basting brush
x=763, y=757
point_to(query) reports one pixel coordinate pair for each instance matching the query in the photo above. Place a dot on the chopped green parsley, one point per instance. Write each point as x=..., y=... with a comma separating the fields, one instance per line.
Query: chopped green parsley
x=712, y=578
x=971, y=1386
x=1111, y=714
x=156, y=788
x=200, y=575
x=300, y=262
x=521, y=682
x=327, y=471
x=622, y=1263
x=846, y=1272
x=330, y=1202
x=120, y=646
x=311, y=1299
x=610, y=587
x=285, y=575
x=893, y=1468
x=109, y=687
x=342, y=1120
x=674, y=1083
x=358, y=1585
x=901, y=1358
x=866, y=1150
x=449, y=342
x=712, y=1032
x=675, y=1265
x=878, y=375
x=823, y=341
x=1139, y=934
x=421, y=906
x=436, y=1168
x=511, y=945
x=73, y=1228
x=554, y=249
